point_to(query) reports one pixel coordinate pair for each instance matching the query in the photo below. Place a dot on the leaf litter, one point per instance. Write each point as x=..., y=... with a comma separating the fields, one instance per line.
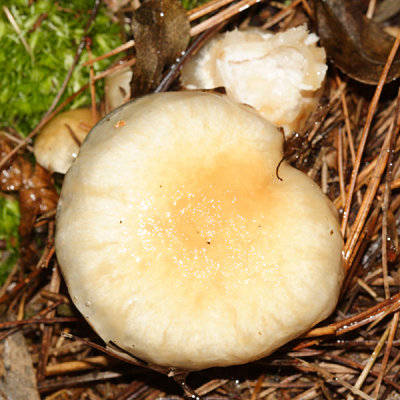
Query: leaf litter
x=357, y=45
x=161, y=31
x=350, y=147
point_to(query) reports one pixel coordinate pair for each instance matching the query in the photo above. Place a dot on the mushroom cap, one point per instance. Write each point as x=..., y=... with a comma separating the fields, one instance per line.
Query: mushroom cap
x=179, y=242
x=277, y=74
x=57, y=144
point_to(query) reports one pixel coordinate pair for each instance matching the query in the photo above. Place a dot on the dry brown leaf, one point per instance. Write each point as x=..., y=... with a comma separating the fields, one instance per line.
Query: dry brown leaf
x=355, y=44
x=36, y=193
x=161, y=31
x=17, y=376
x=386, y=10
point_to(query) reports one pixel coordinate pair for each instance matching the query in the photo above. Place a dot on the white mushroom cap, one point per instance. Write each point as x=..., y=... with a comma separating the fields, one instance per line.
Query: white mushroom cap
x=279, y=75
x=179, y=243
x=58, y=143
x=117, y=88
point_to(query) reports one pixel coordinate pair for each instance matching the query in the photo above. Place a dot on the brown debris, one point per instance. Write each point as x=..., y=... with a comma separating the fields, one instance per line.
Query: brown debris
x=17, y=377
x=36, y=195
x=350, y=147
x=355, y=44
x=161, y=33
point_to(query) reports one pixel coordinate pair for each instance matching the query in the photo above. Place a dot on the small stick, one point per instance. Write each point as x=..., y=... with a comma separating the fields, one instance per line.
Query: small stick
x=385, y=360
x=129, y=44
x=54, y=384
x=77, y=365
x=222, y=16
x=21, y=307
x=386, y=201
x=34, y=321
x=210, y=386
x=340, y=166
x=347, y=121
x=92, y=82
x=207, y=8
x=6, y=284
x=281, y=14
x=367, y=288
x=113, y=69
x=371, y=9
x=20, y=285
x=103, y=350
x=359, y=320
x=133, y=391
x=371, y=362
x=307, y=9
x=15, y=139
x=48, y=329
x=17, y=29
x=257, y=387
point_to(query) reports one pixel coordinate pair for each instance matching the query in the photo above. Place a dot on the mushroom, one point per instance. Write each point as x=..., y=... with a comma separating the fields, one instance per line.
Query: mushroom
x=58, y=143
x=277, y=74
x=186, y=240
x=117, y=88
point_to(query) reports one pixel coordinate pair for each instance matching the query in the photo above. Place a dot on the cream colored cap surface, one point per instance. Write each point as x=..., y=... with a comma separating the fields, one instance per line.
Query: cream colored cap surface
x=277, y=74
x=57, y=144
x=179, y=243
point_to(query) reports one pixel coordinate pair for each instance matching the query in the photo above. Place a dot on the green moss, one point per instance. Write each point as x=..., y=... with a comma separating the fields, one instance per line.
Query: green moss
x=30, y=80
x=9, y=221
x=190, y=4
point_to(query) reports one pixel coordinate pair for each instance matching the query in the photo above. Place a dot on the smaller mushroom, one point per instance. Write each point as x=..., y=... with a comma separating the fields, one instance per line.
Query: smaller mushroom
x=59, y=141
x=277, y=74
x=117, y=88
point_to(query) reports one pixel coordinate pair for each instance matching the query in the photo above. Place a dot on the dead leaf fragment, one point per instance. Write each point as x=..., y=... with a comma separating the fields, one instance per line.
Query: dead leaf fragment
x=386, y=10
x=17, y=377
x=161, y=31
x=36, y=194
x=355, y=44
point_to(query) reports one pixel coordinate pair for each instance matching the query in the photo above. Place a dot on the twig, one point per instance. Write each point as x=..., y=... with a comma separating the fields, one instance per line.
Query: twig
x=222, y=16
x=387, y=196
x=371, y=9
x=92, y=83
x=340, y=166
x=281, y=14
x=257, y=387
x=32, y=276
x=78, y=365
x=55, y=384
x=17, y=29
x=382, y=372
x=370, y=362
x=359, y=320
x=48, y=330
x=210, y=386
x=207, y=8
x=128, y=45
